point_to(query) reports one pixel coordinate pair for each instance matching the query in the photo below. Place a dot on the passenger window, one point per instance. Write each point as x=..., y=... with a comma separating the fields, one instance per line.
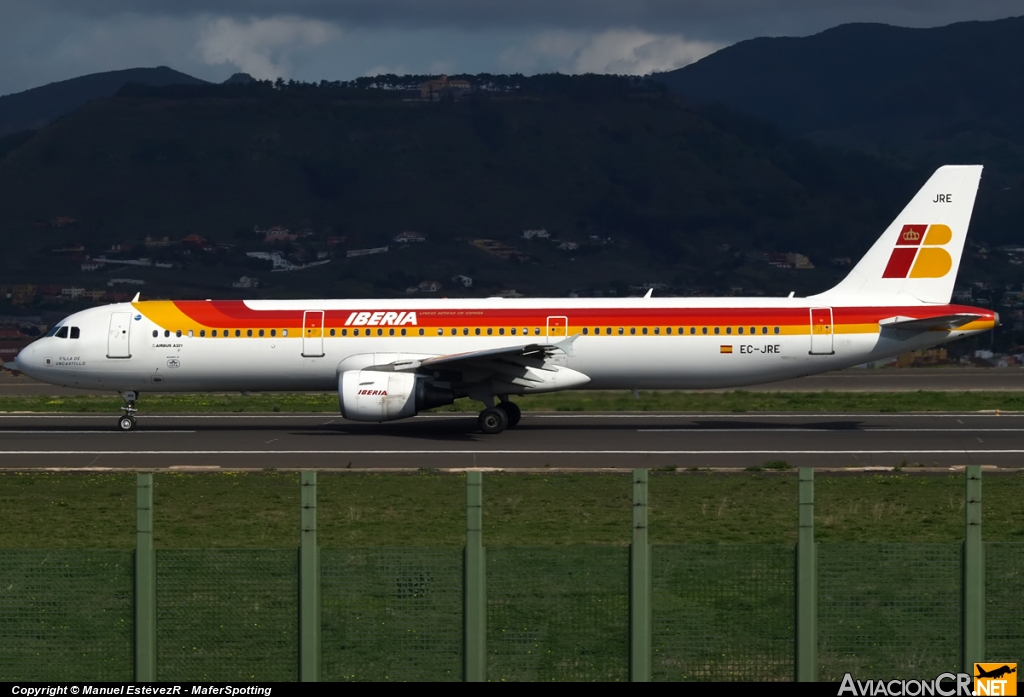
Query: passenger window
x=380, y=332
x=693, y=330
x=202, y=332
x=703, y=330
x=454, y=331
x=391, y=332
x=621, y=331
x=344, y=332
x=465, y=331
x=584, y=330
x=718, y=330
x=261, y=332
x=155, y=333
x=213, y=333
x=355, y=332
x=513, y=331
x=764, y=330
x=478, y=331
x=728, y=330
x=440, y=331
x=74, y=332
x=167, y=333
x=490, y=331
x=644, y=330
x=776, y=330
x=403, y=331
x=607, y=330
x=238, y=332
x=333, y=332
x=284, y=332
x=190, y=334
x=668, y=330
x=501, y=331
x=753, y=330
x=536, y=331
x=632, y=330
x=739, y=330
x=177, y=333
x=273, y=332
x=657, y=330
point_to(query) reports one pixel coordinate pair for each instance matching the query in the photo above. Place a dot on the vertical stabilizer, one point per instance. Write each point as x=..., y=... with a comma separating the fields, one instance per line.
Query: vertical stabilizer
x=917, y=257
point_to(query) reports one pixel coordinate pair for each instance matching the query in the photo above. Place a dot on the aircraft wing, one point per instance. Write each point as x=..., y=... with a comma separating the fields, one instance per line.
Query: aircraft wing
x=914, y=324
x=527, y=366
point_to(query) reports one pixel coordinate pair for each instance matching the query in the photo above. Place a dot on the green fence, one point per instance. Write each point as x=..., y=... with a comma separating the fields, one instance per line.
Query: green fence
x=667, y=612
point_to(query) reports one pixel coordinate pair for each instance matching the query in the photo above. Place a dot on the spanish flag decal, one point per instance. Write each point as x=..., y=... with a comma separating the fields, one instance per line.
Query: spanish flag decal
x=725, y=349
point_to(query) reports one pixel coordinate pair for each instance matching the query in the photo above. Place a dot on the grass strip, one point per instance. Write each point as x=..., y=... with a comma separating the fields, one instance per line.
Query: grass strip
x=80, y=511
x=697, y=402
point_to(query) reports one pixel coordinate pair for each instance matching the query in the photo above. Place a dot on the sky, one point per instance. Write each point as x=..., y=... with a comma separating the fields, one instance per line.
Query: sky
x=43, y=41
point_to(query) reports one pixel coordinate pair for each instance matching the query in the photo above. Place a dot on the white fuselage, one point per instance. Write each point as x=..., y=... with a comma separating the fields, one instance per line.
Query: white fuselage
x=646, y=343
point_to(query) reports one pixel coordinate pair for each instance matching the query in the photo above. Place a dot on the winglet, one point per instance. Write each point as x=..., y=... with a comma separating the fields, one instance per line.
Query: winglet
x=137, y=296
x=566, y=344
x=650, y=292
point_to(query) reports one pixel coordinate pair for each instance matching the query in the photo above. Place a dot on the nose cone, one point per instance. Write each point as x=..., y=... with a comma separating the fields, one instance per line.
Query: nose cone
x=22, y=360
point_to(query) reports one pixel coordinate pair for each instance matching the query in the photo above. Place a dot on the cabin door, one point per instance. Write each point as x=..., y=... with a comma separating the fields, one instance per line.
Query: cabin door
x=118, y=334
x=313, y=333
x=821, y=330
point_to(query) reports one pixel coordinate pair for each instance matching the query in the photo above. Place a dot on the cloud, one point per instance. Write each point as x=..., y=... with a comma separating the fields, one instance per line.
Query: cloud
x=264, y=48
x=619, y=51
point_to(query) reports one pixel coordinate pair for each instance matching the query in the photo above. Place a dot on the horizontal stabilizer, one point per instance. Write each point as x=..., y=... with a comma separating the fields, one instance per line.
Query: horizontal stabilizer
x=925, y=324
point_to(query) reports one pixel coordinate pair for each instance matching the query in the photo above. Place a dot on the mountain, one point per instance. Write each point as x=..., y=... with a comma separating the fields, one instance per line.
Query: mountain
x=34, y=108
x=642, y=187
x=871, y=81
x=923, y=97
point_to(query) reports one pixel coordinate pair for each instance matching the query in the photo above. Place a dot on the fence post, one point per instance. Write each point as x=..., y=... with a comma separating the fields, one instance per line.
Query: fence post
x=474, y=584
x=974, y=574
x=145, y=581
x=806, y=582
x=309, y=583
x=640, y=585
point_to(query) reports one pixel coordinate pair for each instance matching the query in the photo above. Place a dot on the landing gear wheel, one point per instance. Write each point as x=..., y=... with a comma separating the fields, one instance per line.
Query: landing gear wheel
x=492, y=420
x=512, y=411
x=126, y=423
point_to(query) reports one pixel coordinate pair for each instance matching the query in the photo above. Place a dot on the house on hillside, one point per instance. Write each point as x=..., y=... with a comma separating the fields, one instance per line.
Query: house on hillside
x=404, y=237
x=433, y=90
x=430, y=286
x=464, y=281
x=540, y=233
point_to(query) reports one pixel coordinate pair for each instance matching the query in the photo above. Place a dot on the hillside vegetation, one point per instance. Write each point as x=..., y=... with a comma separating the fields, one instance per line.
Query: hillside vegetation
x=650, y=188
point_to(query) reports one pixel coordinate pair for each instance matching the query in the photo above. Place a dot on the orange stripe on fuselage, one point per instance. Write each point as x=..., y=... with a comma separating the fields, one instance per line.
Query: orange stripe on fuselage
x=235, y=314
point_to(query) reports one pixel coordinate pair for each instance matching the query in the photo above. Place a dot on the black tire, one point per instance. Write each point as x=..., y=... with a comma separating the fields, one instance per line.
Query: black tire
x=492, y=420
x=126, y=423
x=513, y=412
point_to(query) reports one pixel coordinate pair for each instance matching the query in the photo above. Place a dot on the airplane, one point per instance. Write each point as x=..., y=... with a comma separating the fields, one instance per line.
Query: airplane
x=390, y=359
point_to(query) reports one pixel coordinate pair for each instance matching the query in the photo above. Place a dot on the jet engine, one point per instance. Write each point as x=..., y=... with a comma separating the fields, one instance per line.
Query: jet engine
x=377, y=395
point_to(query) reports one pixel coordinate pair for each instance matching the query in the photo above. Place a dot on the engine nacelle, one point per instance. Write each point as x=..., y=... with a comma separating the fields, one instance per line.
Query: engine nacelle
x=377, y=395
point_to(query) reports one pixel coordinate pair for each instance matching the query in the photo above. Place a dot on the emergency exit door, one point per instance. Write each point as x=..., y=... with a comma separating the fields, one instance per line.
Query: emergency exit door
x=821, y=330
x=313, y=333
x=557, y=326
x=118, y=335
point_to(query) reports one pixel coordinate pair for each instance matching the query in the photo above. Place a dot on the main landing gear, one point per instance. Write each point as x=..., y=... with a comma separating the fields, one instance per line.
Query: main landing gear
x=127, y=421
x=496, y=419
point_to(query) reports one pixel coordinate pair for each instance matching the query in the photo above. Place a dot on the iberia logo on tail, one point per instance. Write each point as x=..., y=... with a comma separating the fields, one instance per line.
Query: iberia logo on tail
x=919, y=253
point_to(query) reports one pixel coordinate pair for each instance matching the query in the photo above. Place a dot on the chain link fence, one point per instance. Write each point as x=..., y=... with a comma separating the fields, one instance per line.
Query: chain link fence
x=558, y=613
x=227, y=614
x=391, y=614
x=1004, y=602
x=722, y=612
x=888, y=610
x=66, y=615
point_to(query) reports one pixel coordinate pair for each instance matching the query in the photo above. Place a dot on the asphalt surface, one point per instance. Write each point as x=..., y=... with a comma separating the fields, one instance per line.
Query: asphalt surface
x=852, y=380
x=541, y=440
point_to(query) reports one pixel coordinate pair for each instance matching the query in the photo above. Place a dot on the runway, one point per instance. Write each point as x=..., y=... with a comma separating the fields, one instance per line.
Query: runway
x=591, y=441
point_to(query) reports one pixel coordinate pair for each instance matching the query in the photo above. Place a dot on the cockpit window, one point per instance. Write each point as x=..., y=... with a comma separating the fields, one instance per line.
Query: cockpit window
x=62, y=333
x=74, y=332
x=53, y=330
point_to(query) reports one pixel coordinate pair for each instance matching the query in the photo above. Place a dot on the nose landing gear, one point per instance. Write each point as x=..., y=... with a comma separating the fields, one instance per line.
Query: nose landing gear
x=127, y=421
